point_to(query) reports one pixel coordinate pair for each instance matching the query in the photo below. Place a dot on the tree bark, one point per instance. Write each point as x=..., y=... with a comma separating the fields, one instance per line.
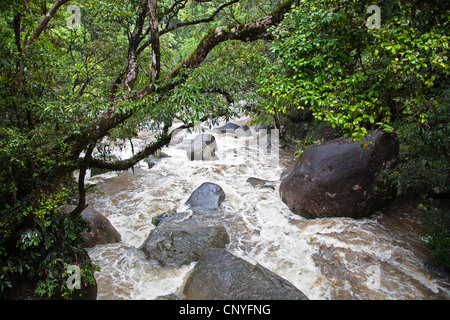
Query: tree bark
x=81, y=189
x=152, y=7
x=131, y=72
x=44, y=22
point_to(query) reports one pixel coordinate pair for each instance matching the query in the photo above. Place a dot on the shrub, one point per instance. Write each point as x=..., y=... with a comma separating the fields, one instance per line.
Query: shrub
x=37, y=243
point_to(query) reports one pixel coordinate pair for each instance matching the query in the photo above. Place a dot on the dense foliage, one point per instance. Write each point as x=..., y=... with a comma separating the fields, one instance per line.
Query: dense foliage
x=358, y=78
x=76, y=75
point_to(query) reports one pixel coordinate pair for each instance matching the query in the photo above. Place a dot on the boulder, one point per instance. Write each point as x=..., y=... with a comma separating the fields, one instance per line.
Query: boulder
x=219, y=275
x=264, y=126
x=227, y=128
x=154, y=159
x=165, y=216
x=340, y=178
x=207, y=196
x=202, y=147
x=243, y=131
x=102, y=231
x=234, y=130
x=260, y=183
x=175, y=243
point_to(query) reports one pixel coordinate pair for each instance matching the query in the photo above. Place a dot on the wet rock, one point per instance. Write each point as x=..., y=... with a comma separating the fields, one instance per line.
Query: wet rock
x=235, y=130
x=175, y=243
x=264, y=126
x=339, y=178
x=227, y=128
x=219, y=275
x=171, y=296
x=208, y=196
x=202, y=147
x=260, y=183
x=164, y=216
x=154, y=159
x=243, y=131
x=102, y=231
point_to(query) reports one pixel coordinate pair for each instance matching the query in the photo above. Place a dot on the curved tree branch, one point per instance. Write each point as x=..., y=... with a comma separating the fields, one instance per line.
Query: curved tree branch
x=163, y=140
x=44, y=22
x=81, y=189
x=168, y=29
x=251, y=31
x=194, y=22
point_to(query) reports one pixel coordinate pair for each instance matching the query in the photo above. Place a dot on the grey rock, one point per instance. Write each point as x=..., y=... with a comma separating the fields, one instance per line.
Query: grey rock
x=165, y=216
x=173, y=244
x=202, y=147
x=227, y=128
x=260, y=183
x=155, y=159
x=243, y=131
x=102, y=231
x=219, y=275
x=208, y=196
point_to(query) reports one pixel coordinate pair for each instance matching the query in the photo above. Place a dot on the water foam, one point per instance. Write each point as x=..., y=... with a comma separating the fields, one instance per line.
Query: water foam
x=325, y=258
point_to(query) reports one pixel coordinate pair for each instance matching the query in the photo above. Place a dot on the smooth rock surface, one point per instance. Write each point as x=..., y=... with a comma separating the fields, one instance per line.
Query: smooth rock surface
x=219, y=275
x=341, y=178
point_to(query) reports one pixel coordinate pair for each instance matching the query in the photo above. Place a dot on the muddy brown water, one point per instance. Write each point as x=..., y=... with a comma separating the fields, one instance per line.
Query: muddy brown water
x=379, y=257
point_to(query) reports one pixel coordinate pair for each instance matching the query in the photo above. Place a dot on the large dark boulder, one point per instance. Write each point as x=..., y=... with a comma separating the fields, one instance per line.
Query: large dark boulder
x=174, y=243
x=219, y=275
x=202, y=147
x=207, y=196
x=102, y=231
x=341, y=178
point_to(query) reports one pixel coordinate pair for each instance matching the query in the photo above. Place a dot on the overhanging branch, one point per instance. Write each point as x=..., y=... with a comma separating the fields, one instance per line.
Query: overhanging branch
x=251, y=31
x=195, y=22
x=45, y=20
x=162, y=141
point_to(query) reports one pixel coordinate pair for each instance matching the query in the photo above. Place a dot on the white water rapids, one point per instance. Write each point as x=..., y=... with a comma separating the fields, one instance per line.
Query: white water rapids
x=333, y=258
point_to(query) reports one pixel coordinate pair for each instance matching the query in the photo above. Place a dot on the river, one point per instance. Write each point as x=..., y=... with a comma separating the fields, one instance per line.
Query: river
x=379, y=257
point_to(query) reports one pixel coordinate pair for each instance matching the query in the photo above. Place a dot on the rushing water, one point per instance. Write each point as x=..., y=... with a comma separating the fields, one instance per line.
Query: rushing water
x=332, y=258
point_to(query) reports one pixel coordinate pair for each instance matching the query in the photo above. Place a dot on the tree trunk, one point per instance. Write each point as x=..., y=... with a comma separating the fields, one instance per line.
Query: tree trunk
x=131, y=72
x=154, y=40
